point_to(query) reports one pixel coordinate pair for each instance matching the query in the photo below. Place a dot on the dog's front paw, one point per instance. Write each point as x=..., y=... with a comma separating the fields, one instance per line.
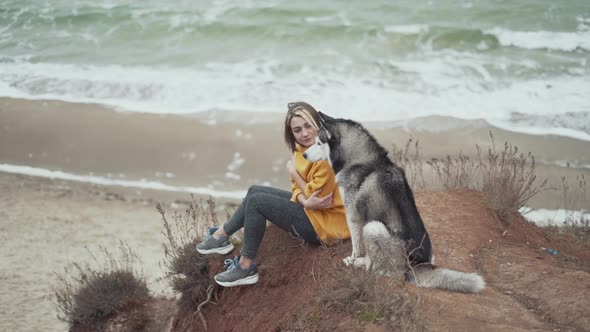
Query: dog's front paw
x=348, y=261
x=357, y=261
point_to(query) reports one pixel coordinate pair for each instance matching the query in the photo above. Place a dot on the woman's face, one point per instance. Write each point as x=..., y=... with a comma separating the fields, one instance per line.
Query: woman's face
x=303, y=131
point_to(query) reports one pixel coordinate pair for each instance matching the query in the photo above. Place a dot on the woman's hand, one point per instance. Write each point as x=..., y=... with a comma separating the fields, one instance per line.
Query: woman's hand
x=314, y=202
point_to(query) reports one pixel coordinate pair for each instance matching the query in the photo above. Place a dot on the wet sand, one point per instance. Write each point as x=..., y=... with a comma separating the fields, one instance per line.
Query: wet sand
x=231, y=151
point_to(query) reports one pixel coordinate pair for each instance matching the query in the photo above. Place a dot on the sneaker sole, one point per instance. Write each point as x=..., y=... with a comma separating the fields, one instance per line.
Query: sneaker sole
x=222, y=250
x=251, y=280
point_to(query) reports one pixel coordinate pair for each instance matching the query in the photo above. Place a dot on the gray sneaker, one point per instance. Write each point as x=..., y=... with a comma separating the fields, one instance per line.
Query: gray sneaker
x=211, y=245
x=234, y=275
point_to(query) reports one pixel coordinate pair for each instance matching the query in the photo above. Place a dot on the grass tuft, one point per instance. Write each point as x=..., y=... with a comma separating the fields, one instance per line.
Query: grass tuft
x=187, y=270
x=373, y=299
x=577, y=223
x=87, y=296
x=506, y=178
x=410, y=160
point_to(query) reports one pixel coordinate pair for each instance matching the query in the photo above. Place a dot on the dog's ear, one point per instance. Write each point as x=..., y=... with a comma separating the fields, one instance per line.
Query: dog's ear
x=324, y=135
x=325, y=118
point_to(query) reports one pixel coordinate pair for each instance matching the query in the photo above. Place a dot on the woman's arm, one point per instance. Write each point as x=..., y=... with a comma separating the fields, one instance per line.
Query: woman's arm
x=313, y=201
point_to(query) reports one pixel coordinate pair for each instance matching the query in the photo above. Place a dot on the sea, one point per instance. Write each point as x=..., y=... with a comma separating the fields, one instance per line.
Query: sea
x=521, y=65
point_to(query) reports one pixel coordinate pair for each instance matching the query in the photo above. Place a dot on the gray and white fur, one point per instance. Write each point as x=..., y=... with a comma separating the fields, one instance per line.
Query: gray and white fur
x=387, y=233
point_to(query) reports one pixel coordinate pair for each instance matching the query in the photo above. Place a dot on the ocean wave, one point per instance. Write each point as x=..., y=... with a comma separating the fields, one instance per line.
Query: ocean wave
x=541, y=131
x=265, y=85
x=573, y=120
x=565, y=163
x=423, y=37
x=412, y=29
x=559, y=41
x=485, y=39
x=195, y=25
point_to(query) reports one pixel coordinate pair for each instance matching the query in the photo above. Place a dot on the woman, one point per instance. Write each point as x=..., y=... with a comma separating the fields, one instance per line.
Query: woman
x=312, y=210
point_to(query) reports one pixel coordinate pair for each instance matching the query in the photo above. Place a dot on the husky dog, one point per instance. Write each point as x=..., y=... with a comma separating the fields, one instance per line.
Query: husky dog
x=388, y=235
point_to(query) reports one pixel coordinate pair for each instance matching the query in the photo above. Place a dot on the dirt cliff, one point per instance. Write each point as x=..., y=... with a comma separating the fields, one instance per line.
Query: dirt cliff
x=301, y=287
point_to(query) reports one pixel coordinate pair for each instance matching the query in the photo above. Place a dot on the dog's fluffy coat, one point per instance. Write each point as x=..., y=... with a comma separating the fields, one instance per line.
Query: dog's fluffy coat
x=388, y=234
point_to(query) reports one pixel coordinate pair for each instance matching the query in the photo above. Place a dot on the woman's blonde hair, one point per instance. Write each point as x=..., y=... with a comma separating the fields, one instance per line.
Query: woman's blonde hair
x=303, y=110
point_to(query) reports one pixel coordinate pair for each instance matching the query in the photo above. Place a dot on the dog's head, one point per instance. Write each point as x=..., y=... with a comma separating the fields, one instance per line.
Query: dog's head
x=344, y=142
x=321, y=149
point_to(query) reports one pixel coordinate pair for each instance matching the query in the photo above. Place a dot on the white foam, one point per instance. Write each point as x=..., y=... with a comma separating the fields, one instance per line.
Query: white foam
x=564, y=163
x=321, y=19
x=447, y=82
x=236, y=163
x=411, y=29
x=232, y=176
x=531, y=130
x=547, y=217
x=560, y=41
x=142, y=184
x=141, y=88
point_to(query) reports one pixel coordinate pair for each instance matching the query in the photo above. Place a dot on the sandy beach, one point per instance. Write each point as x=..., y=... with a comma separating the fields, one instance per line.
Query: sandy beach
x=227, y=152
x=46, y=223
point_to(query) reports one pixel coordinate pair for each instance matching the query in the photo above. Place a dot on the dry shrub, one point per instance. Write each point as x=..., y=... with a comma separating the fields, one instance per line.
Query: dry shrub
x=579, y=228
x=87, y=296
x=409, y=159
x=187, y=270
x=574, y=199
x=373, y=299
x=506, y=178
x=456, y=172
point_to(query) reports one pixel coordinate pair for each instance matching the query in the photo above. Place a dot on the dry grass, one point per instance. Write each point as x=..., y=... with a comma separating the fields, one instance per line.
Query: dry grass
x=363, y=296
x=187, y=270
x=87, y=295
x=456, y=172
x=579, y=229
x=506, y=178
x=373, y=299
x=574, y=199
x=355, y=299
x=409, y=159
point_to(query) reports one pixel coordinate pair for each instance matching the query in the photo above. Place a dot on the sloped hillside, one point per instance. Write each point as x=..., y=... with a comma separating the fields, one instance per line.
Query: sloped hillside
x=307, y=288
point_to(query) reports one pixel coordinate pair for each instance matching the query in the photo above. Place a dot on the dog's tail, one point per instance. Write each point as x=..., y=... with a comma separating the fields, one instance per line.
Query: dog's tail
x=430, y=276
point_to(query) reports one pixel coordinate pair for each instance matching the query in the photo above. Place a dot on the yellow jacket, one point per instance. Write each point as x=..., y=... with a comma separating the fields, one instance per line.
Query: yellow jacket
x=329, y=224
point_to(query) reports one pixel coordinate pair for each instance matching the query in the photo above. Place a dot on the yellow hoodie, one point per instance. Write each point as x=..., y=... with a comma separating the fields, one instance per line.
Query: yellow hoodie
x=329, y=224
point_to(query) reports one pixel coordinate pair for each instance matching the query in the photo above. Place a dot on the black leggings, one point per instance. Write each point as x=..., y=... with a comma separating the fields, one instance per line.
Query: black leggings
x=266, y=203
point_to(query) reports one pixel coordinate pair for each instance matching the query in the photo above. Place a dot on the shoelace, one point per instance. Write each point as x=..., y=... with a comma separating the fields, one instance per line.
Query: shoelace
x=229, y=264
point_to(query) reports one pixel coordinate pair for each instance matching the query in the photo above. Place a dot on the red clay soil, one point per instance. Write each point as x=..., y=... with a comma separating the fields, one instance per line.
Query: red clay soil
x=527, y=288
x=154, y=315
